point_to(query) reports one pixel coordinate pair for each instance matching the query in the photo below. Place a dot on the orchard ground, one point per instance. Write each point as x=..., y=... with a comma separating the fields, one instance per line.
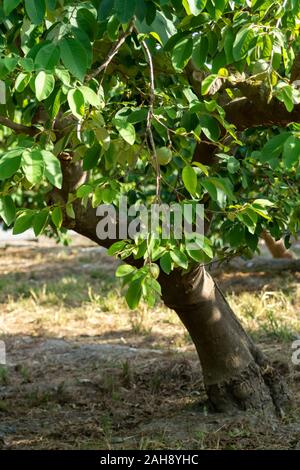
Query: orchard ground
x=84, y=372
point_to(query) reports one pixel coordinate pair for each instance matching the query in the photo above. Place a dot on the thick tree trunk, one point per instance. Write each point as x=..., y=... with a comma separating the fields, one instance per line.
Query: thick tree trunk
x=236, y=374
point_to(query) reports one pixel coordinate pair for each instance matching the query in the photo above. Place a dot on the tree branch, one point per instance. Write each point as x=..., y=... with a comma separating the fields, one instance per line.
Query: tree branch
x=252, y=109
x=150, y=117
x=114, y=50
x=19, y=128
x=244, y=113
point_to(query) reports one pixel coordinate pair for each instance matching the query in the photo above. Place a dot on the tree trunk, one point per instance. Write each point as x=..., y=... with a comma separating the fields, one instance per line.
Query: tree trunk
x=276, y=247
x=236, y=373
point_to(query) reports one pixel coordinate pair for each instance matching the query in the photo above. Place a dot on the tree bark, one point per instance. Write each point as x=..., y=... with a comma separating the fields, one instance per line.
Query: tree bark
x=236, y=373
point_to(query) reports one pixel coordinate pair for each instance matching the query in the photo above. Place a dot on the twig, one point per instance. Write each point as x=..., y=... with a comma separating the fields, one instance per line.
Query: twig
x=114, y=50
x=19, y=128
x=150, y=117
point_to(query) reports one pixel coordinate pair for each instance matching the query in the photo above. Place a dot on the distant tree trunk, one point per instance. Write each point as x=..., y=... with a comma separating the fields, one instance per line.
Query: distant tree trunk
x=276, y=247
x=236, y=373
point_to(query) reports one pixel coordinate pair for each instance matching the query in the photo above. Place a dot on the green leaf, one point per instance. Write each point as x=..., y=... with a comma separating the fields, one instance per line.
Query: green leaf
x=84, y=190
x=10, y=163
x=70, y=211
x=108, y=195
x=166, y=263
x=249, y=218
x=124, y=270
x=189, y=178
x=202, y=167
x=208, y=83
x=56, y=104
x=216, y=7
x=242, y=42
x=208, y=249
x=134, y=294
x=7, y=209
x=91, y=157
x=263, y=202
x=90, y=96
x=228, y=44
x=40, y=221
x=126, y=130
x=291, y=152
x=164, y=27
x=273, y=147
x=97, y=197
x=44, y=85
x=47, y=57
x=10, y=5
x=105, y=9
x=87, y=22
x=10, y=63
x=153, y=284
x=125, y=9
x=22, y=81
x=51, y=4
x=26, y=63
x=179, y=258
x=116, y=247
x=103, y=137
x=53, y=171
x=36, y=10
x=193, y=7
x=233, y=165
x=285, y=94
x=33, y=165
x=210, y=127
x=216, y=190
x=182, y=53
x=76, y=102
x=74, y=57
x=198, y=255
x=23, y=222
x=57, y=217
x=200, y=51
x=63, y=76
x=138, y=115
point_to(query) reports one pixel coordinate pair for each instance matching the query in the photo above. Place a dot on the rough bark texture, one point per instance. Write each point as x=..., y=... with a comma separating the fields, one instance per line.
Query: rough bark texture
x=236, y=374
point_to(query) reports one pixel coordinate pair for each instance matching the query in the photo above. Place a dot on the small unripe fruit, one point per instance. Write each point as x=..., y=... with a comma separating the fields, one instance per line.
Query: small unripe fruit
x=154, y=269
x=260, y=68
x=164, y=155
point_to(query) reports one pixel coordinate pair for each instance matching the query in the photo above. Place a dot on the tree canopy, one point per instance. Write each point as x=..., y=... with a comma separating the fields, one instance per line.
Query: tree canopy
x=162, y=101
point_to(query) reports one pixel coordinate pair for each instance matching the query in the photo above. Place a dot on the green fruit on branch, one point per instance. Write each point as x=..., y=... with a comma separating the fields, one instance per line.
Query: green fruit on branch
x=164, y=155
